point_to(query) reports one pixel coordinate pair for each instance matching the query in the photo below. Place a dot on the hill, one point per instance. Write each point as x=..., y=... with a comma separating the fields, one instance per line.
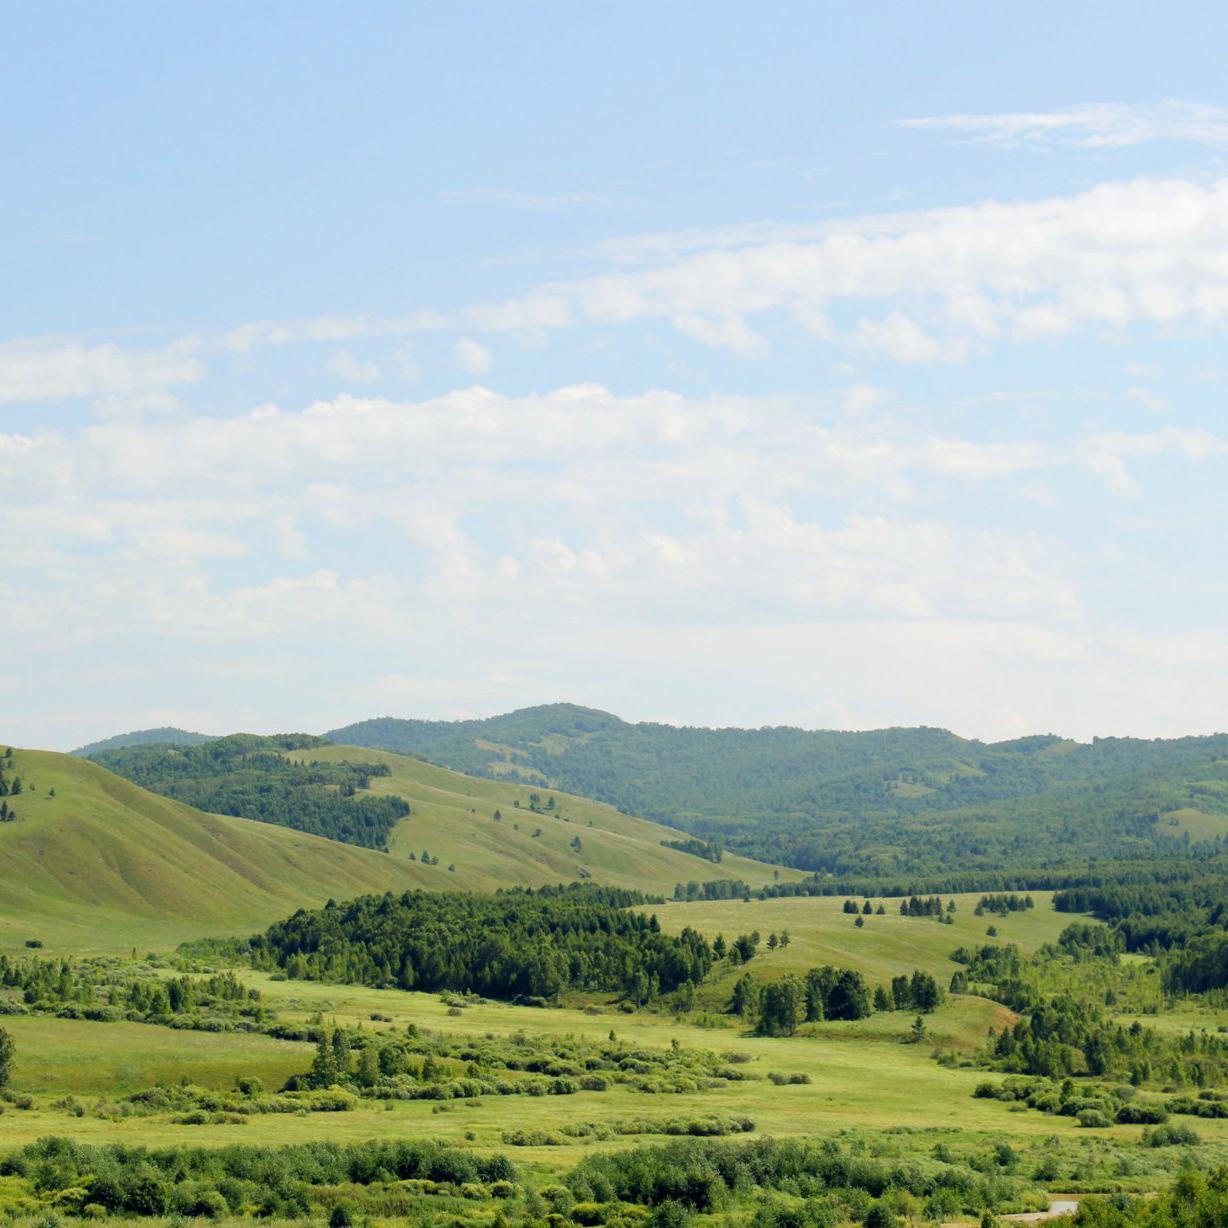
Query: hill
x=93, y=863
x=452, y=817
x=887, y=801
x=537, y=839
x=165, y=735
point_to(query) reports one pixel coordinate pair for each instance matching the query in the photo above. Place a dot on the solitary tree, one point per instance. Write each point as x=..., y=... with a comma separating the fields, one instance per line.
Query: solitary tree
x=8, y=1052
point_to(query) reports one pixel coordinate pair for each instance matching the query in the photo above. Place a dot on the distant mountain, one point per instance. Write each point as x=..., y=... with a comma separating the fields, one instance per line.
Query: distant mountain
x=165, y=736
x=911, y=800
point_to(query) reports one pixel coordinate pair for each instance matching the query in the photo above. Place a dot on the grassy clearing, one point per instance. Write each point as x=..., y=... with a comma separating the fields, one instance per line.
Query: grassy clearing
x=821, y=933
x=453, y=819
x=104, y=866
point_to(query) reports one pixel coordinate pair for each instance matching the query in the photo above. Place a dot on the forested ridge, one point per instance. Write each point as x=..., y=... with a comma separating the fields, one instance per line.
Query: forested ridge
x=878, y=803
x=251, y=777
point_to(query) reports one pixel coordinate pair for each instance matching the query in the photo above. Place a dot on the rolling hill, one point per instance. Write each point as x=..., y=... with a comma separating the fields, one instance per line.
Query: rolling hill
x=914, y=801
x=164, y=735
x=102, y=865
x=97, y=863
x=452, y=818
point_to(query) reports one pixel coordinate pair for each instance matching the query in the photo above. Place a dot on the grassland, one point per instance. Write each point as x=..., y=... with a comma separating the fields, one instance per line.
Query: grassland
x=862, y=1077
x=453, y=819
x=882, y=947
x=103, y=866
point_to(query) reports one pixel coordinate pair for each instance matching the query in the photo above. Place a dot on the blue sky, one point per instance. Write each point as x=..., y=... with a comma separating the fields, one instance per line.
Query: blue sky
x=839, y=365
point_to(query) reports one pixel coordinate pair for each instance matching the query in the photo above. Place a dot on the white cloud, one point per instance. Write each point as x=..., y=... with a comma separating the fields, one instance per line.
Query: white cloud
x=1091, y=125
x=346, y=366
x=41, y=370
x=472, y=356
x=1136, y=252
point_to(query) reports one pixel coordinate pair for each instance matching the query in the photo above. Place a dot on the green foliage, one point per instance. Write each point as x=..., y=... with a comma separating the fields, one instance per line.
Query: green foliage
x=873, y=804
x=518, y=944
x=250, y=777
x=8, y=1055
x=132, y=1182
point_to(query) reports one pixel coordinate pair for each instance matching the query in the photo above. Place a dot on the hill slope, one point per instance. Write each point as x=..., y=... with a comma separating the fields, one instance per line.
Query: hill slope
x=105, y=865
x=892, y=800
x=452, y=818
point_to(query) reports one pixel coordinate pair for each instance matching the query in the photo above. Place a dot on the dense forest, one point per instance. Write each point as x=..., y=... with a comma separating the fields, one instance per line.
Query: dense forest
x=885, y=802
x=518, y=944
x=251, y=777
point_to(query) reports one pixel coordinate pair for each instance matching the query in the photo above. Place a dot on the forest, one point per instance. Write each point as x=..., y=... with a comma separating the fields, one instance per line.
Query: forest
x=253, y=777
x=519, y=944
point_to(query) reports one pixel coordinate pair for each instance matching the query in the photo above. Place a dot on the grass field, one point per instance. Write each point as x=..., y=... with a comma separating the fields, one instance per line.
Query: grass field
x=821, y=933
x=452, y=818
x=862, y=1077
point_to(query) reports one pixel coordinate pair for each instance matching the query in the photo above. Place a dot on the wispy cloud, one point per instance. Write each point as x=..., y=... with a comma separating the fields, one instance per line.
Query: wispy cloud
x=1113, y=125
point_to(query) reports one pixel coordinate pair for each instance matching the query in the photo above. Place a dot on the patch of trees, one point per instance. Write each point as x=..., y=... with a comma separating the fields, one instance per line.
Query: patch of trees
x=415, y=1065
x=11, y=785
x=709, y=850
x=279, y=1182
x=252, y=777
x=715, y=889
x=778, y=1007
x=521, y=944
x=103, y=991
x=837, y=1184
x=1001, y=905
x=8, y=1055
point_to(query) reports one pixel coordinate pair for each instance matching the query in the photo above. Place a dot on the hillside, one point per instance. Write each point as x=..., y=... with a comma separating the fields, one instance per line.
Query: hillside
x=103, y=865
x=452, y=818
x=894, y=800
x=106, y=865
x=165, y=735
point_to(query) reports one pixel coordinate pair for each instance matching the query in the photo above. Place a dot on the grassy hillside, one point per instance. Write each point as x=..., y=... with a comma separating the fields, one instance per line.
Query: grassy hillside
x=103, y=865
x=452, y=818
x=891, y=801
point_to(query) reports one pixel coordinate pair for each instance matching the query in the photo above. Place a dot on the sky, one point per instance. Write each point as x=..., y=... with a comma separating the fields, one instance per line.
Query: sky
x=829, y=365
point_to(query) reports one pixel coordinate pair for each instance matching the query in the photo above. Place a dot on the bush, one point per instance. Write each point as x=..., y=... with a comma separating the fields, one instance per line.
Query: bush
x=1094, y=1119
x=1171, y=1136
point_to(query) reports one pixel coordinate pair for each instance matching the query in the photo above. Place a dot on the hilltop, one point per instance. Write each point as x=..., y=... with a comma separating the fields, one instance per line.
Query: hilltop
x=164, y=735
x=907, y=800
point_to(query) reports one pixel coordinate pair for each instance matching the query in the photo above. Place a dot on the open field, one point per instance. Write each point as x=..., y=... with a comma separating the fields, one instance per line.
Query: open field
x=883, y=947
x=862, y=1077
x=452, y=819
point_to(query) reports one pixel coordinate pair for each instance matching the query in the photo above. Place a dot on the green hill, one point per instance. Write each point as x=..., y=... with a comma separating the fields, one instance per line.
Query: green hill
x=452, y=818
x=165, y=735
x=104, y=865
x=101, y=864
x=912, y=801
